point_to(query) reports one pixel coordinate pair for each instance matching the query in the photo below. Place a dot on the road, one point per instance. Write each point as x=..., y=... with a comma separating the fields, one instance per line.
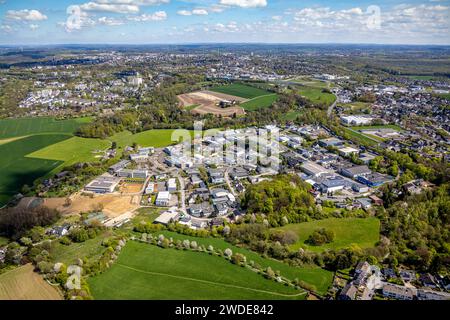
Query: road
x=183, y=193
x=227, y=180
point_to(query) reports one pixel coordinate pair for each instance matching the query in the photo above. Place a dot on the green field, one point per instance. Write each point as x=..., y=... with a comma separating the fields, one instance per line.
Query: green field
x=319, y=278
x=151, y=138
x=316, y=96
x=291, y=115
x=362, y=232
x=362, y=138
x=240, y=90
x=73, y=150
x=260, y=102
x=10, y=128
x=16, y=169
x=144, y=271
x=386, y=126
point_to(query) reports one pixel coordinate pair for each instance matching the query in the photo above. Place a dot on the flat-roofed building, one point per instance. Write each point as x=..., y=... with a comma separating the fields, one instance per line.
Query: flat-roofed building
x=171, y=185
x=331, y=142
x=163, y=199
x=118, y=166
x=313, y=169
x=102, y=184
x=167, y=217
x=129, y=173
x=353, y=172
x=395, y=291
x=347, y=151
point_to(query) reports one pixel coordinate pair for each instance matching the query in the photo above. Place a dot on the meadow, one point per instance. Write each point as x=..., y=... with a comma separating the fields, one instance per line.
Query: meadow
x=23, y=284
x=259, y=102
x=145, y=271
x=317, y=96
x=240, y=90
x=151, y=138
x=348, y=231
x=20, y=127
x=317, y=277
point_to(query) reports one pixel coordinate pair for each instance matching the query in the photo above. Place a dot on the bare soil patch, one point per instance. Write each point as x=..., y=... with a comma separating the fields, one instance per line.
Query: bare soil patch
x=207, y=102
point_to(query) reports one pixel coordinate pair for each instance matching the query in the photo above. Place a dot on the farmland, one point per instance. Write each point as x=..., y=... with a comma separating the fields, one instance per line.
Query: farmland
x=16, y=169
x=240, y=90
x=348, y=231
x=259, y=102
x=144, y=271
x=24, y=284
x=315, y=276
x=10, y=128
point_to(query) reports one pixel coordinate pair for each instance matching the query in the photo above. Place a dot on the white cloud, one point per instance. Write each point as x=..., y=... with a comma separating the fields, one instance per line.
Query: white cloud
x=6, y=28
x=244, y=3
x=197, y=12
x=107, y=21
x=34, y=27
x=157, y=16
x=277, y=18
x=25, y=15
x=114, y=8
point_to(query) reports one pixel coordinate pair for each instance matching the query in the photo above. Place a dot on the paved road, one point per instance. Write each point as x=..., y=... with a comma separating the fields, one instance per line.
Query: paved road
x=183, y=193
x=227, y=180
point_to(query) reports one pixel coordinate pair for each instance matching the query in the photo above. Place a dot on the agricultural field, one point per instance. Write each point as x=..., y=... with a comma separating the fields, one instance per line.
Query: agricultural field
x=386, y=126
x=317, y=96
x=362, y=232
x=259, y=102
x=23, y=283
x=208, y=102
x=240, y=90
x=17, y=169
x=151, y=138
x=144, y=271
x=10, y=128
x=73, y=150
x=317, y=277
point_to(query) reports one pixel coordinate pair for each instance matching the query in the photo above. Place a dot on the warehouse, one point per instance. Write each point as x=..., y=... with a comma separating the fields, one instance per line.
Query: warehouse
x=313, y=169
x=353, y=172
x=102, y=184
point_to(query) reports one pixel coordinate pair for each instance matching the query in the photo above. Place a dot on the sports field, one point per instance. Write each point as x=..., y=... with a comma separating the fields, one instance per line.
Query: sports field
x=259, y=102
x=317, y=277
x=362, y=232
x=24, y=284
x=240, y=90
x=144, y=271
x=151, y=138
x=16, y=169
x=10, y=128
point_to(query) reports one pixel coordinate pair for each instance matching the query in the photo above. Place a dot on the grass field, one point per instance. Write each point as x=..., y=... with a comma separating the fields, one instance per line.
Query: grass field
x=315, y=276
x=16, y=169
x=387, y=126
x=240, y=90
x=291, y=115
x=90, y=249
x=260, y=102
x=23, y=284
x=151, y=138
x=315, y=95
x=10, y=128
x=144, y=271
x=348, y=231
x=72, y=150
x=361, y=138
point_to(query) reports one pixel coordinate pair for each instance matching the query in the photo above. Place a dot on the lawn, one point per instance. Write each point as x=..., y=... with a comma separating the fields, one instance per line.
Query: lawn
x=10, y=128
x=260, y=102
x=16, y=169
x=23, y=284
x=240, y=90
x=317, y=96
x=144, y=271
x=362, y=232
x=386, y=126
x=291, y=115
x=315, y=276
x=361, y=138
x=151, y=138
x=73, y=150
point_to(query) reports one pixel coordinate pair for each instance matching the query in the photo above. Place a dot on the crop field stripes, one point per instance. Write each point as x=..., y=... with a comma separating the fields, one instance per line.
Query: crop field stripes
x=211, y=282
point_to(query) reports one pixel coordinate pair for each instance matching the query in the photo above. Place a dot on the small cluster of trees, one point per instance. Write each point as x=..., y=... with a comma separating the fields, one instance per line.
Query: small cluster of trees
x=320, y=237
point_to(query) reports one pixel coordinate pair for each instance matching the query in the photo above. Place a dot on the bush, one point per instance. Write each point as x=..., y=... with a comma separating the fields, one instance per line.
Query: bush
x=320, y=237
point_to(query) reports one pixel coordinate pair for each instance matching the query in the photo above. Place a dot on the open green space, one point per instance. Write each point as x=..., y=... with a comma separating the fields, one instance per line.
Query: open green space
x=361, y=138
x=348, y=231
x=260, y=102
x=291, y=115
x=73, y=150
x=144, y=271
x=3, y=241
x=386, y=126
x=319, y=278
x=17, y=169
x=10, y=128
x=68, y=254
x=317, y=95
x=152, y=138
x=240, y=90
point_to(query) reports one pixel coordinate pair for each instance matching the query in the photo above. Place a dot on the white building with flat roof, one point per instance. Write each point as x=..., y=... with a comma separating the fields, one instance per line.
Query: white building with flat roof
x=163, y=199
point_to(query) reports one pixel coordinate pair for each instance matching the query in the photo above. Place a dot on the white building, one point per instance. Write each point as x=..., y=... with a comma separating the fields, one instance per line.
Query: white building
x=163, y=199
x=171, y=185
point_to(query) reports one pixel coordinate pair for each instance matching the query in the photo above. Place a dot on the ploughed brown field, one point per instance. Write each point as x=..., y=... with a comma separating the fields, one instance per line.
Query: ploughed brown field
x=207, y=103
x=24, y=284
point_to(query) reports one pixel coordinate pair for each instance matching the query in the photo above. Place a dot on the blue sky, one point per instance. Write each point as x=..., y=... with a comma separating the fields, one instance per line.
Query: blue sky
x=205, y=21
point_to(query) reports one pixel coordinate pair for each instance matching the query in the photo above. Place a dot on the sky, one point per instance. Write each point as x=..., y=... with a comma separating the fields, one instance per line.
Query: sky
x=32, y=22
